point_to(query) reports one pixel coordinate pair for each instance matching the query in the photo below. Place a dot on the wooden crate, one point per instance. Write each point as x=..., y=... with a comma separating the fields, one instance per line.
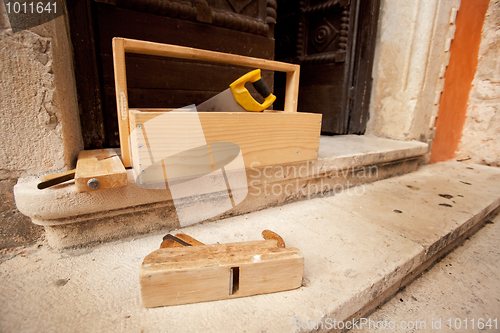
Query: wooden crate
x=265, y=138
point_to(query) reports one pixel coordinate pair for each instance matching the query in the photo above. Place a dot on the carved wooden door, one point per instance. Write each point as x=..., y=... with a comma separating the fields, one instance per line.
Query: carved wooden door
x=333, y=41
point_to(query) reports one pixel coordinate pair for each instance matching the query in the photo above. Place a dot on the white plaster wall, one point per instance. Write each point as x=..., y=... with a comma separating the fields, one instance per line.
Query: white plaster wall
x=39, y=123
x=411, y=55
x=481, y=134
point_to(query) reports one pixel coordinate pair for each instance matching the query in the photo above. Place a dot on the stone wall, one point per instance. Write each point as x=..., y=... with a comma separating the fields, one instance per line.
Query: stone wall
x=39, y=123
x=411, y=56
x=481, y=134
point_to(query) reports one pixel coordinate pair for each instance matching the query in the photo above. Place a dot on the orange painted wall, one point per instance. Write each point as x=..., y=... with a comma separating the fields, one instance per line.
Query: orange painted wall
x=458, y=79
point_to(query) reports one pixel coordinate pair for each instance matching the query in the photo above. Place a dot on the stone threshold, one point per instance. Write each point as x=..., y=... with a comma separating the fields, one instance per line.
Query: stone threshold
x=358, y=251
x=77, y=219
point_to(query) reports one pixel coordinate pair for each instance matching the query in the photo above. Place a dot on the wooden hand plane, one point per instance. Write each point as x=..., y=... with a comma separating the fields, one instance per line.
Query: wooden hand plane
x=185, y=270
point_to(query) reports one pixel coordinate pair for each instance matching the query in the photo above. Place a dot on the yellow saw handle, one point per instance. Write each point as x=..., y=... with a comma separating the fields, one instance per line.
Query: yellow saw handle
x=243, y=97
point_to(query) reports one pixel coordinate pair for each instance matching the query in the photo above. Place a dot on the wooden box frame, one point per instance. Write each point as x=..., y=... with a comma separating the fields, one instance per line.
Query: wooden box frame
x=265, y=138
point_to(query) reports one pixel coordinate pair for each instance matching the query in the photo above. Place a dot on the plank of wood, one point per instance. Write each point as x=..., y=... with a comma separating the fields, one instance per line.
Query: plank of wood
x=292, y=90
x=182, y=275
x=182, y=52
x=265, y=138
x=102, y=164
x=121, y=98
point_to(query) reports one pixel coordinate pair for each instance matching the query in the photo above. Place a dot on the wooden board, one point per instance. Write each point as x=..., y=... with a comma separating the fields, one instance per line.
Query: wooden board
x=102, y=164
x=182, y=275
x=123, y=45
x=265, y=138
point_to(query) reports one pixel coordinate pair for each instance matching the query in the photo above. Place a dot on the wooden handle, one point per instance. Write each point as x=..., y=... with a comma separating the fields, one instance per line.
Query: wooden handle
x=122, y=45
x=268, y=234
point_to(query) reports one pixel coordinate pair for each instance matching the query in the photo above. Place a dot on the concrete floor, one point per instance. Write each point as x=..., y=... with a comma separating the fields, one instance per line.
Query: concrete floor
x=464, y=285
x=358, y=245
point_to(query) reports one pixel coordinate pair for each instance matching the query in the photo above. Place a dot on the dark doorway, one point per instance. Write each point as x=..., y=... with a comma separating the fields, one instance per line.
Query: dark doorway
x=334, y=42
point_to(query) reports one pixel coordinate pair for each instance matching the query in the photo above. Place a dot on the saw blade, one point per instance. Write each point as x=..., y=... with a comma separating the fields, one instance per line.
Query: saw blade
x=222, y=102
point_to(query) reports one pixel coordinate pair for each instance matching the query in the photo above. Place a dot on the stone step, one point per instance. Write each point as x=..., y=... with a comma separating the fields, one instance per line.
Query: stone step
x=359, y=249
x=77, y=219
x=458, y=292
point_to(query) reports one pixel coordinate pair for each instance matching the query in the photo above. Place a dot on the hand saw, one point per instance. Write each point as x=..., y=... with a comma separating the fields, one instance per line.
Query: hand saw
x=237, y=98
